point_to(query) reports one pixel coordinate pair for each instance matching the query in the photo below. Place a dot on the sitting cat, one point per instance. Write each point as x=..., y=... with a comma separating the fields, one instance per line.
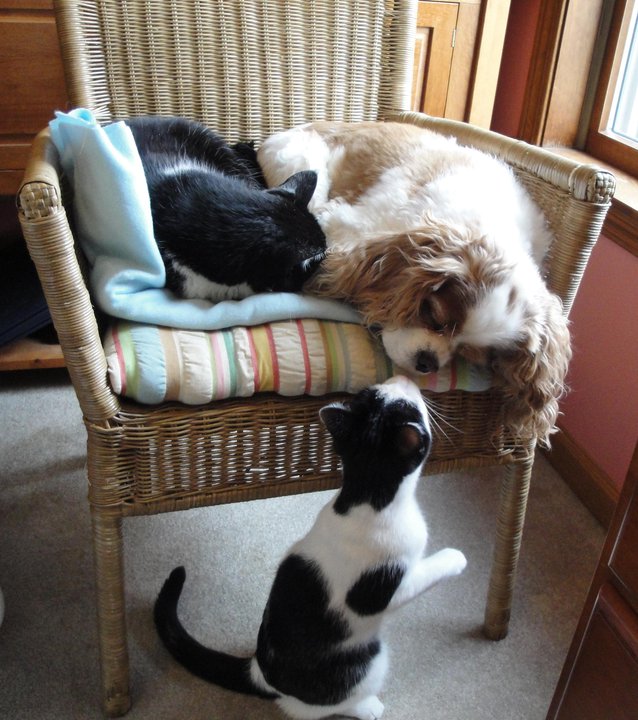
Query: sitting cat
x=318, y=650
x=221, y=233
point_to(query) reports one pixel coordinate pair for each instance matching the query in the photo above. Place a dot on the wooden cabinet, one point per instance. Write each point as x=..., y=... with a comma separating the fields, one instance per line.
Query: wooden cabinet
x=31, y=87
x=31, y=82
x=457, y=58
x=433, y=53
x=600, y=678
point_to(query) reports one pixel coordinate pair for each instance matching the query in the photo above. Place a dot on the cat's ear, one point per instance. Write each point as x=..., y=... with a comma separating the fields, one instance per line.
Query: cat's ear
x=336, y=418
x=298, y=188
x=410, y=439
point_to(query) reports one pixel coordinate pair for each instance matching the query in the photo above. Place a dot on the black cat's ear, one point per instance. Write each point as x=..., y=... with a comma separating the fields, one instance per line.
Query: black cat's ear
x=410, y=439
x=245, y=146
x=298, y=188
x=336, y=418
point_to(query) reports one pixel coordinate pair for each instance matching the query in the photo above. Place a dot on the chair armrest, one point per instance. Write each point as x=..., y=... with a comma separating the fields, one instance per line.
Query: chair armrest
x=574, y=196
x=52, y=247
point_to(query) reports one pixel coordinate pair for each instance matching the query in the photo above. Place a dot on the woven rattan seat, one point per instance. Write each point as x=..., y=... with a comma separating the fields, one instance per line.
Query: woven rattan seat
x=248, y=69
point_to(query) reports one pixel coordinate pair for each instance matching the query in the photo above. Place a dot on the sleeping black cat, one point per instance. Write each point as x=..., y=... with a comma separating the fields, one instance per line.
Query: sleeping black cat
x=319, y=650
x=221, y=233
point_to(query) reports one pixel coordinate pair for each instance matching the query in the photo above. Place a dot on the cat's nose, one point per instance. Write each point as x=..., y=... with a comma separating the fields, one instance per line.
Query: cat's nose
x=426, y=361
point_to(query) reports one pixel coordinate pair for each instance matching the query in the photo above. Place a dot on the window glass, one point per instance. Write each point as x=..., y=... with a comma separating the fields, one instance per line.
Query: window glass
x=623, y=119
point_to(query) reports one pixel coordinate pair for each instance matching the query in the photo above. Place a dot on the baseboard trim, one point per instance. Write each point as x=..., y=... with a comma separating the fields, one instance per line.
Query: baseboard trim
x=590, y=483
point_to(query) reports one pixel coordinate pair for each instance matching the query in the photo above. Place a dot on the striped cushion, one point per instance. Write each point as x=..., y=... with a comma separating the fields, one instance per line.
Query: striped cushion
x=154, y=364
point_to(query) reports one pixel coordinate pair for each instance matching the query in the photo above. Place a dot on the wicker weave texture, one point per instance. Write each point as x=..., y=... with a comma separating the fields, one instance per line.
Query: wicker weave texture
x=149, y=460
x=240, y=67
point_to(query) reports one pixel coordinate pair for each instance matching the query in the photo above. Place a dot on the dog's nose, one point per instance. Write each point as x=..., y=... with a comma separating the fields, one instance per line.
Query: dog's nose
x=427, y=361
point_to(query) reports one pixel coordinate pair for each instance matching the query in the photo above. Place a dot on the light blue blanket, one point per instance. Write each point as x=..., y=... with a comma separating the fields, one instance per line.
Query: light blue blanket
x=115, y=229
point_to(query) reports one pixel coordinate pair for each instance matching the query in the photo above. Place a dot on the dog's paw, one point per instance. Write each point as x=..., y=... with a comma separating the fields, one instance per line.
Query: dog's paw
x=455, y=561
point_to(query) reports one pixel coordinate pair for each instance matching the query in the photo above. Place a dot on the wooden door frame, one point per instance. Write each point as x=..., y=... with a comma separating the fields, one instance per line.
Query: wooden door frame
x=563, y=47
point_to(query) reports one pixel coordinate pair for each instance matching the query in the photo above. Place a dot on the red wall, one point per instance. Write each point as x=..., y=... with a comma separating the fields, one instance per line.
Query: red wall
x=601, y=412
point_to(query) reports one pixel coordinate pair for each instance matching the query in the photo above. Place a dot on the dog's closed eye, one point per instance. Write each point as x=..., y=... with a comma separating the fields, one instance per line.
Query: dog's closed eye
x=444, y=310
x=429, y=315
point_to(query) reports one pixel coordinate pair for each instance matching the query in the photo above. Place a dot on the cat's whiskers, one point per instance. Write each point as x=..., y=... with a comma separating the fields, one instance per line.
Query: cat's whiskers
x=438, y=419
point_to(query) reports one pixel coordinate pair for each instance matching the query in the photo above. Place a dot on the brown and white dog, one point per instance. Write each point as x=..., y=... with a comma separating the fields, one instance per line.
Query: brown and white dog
x=441, y=248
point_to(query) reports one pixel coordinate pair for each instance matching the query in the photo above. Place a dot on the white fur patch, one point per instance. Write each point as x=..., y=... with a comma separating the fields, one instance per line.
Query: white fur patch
x=311, y=260
x=403, y=344
x=399, y=387
x=197, y=286
x=486, y=319
x=183, y=166
x=390, y=206
x=286, y=153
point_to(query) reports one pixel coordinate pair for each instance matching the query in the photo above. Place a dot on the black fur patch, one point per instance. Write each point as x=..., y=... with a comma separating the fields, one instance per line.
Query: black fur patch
x=368, y=435
x=372, y=592
x=213, y=214
x=297, y=647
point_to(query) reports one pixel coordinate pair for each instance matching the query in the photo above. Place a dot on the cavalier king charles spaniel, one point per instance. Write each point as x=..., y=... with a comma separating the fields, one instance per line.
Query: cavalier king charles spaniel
x=440, y=248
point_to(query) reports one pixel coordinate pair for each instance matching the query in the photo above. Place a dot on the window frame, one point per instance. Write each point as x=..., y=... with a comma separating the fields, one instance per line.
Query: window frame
x=621, y=153
x=558, y=103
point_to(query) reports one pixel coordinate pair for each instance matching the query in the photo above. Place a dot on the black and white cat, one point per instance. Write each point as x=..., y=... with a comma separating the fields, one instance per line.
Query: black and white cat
x=319, y=651
x=221, y=233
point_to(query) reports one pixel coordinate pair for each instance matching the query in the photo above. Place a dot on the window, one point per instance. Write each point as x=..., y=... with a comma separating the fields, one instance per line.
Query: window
x=623, y=119
x=582, y=51
x=613, y=127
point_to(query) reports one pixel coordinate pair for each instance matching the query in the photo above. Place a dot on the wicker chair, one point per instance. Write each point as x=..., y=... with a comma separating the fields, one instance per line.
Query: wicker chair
x=248, y=69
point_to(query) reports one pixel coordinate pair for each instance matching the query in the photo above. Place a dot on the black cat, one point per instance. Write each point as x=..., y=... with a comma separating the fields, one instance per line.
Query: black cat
x=319, y=651
x=221, y=233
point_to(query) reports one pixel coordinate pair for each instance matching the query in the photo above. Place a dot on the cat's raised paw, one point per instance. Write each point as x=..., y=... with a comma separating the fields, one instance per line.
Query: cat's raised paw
x=454, y=559
x=371, y=708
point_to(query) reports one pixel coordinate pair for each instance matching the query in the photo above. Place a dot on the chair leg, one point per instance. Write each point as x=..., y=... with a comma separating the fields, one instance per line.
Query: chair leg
x=509, y=529
x=107, y=544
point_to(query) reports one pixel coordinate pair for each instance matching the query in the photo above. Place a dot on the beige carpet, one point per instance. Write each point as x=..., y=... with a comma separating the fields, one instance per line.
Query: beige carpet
x=441, y=667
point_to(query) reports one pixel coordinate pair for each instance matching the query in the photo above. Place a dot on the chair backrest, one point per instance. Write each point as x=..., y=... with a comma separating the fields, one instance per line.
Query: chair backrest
x=246, y=68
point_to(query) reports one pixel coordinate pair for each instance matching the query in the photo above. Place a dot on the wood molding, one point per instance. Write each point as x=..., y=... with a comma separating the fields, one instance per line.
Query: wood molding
x=590, y=483
x=578, y=45
x=559, y=73
x=620, y=226
x=601, y=140
x=542, y=70
x=493, y=25
x=434, y=50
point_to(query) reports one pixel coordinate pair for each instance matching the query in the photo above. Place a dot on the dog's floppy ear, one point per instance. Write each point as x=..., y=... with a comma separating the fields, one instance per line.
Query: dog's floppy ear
x=532, y=374
x=298, y=187
x=385, y=278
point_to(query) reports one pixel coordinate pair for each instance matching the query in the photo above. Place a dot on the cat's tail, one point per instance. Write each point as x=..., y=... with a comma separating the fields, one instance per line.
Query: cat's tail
x=227, y=671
